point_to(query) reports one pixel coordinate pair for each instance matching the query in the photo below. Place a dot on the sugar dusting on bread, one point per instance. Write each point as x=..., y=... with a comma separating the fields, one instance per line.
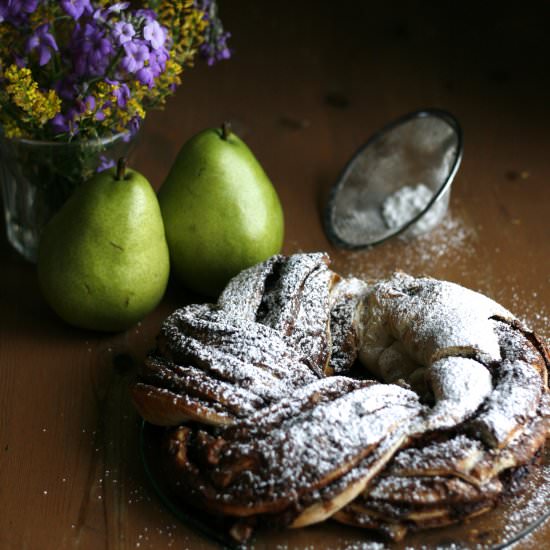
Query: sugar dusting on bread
x=300, y=442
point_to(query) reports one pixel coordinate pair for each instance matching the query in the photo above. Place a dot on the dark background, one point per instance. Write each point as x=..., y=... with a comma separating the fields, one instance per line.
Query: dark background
x=310, y=81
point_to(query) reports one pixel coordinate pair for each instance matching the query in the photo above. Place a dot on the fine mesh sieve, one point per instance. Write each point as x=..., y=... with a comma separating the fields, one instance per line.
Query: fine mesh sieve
x=398, y=183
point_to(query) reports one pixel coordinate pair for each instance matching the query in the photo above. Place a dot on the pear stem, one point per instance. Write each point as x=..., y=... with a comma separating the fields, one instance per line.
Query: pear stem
x=120, y=169
x=226, y=130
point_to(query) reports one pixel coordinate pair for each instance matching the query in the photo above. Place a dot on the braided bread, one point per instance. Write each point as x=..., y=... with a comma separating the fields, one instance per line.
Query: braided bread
x=301, y=396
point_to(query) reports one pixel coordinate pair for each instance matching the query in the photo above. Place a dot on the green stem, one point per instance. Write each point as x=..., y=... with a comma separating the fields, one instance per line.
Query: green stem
x=61, y=18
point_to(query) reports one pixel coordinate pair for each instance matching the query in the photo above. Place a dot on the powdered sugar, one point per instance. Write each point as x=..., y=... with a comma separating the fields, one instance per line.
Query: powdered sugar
x=430, y=490
x=451, y=244
x=530, y=508
x=460, y=385
x=344, y=427
x=281, y=303
x=310, y=333
x=456, y=455
x=401, y=206
x=432, y=319
x=451, y=251
x=243, y=294
x=513, y=401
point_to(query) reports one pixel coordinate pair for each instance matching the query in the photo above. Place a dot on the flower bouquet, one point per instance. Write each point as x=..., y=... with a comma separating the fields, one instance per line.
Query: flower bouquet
x=77, y=78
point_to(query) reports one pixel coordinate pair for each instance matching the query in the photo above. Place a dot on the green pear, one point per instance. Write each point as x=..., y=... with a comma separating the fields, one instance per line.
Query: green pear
x=220, y=211
x=103, y=261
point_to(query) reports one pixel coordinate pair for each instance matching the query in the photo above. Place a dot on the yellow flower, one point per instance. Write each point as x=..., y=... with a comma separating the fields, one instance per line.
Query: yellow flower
x=11, y=129
x=24, y=93
x=187, y=25
x=104, y=91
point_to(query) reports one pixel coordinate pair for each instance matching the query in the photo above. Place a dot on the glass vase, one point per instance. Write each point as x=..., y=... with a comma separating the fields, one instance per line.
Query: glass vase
x=37, y=177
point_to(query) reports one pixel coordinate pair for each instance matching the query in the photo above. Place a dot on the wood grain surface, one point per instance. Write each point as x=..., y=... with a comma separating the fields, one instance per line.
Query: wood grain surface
x=308, y=83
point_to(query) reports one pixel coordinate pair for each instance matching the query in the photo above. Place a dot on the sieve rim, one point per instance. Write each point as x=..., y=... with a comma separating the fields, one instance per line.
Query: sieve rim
x=328, y=214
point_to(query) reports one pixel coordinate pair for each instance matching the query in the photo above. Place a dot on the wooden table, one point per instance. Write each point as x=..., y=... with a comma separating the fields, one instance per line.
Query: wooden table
x=309, y=82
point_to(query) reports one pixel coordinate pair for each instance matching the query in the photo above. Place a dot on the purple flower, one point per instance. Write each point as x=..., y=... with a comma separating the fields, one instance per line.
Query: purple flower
x=76, y=8
x=148, y=14
x=44, y=42
x=86, y=104
x=156, y=64
x=105, y=163
x=92, y=50
x=157, y=61
x=66, y=88
x=123, y=32
x=20, y=60
x=121, y=92
x=86, y=36
x=101, y=15
x=136, y=54
x=215, y=47
x=146, y=76
x=59, y=123
x=118, y=7
x=101, y=49
x=65, y=123
x=98, y=42
x=133, y=128
x=5, y=12
x=16, y=11
x=155, y=34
